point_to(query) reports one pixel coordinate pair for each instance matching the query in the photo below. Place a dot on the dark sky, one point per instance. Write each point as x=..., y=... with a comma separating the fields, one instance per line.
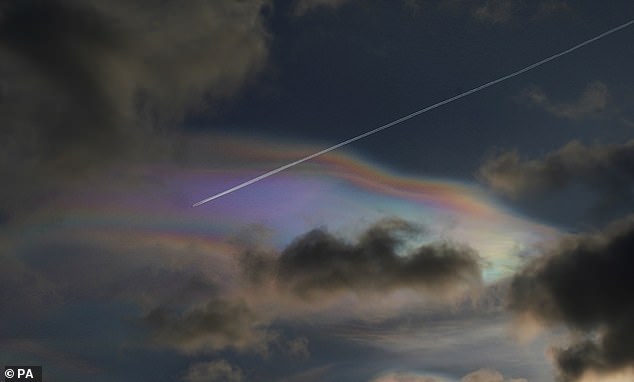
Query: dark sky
x=487, y=240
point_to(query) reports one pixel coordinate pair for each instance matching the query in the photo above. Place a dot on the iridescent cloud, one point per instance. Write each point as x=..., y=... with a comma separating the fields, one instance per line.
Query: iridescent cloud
x=340, y=191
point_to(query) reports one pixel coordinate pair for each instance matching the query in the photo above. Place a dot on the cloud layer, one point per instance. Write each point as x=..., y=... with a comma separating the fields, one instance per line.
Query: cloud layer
x=585, y=283
x=481, y=375
x=194, y=298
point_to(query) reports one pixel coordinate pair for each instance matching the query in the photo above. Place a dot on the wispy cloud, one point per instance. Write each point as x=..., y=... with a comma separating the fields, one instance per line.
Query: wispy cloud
x=505, y=12
x=214, y=371
x=495, y=11
x=593, y=101
x=549, y=8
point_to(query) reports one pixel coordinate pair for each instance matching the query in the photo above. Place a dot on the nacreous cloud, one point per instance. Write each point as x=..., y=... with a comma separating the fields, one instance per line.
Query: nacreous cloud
x=319, y=263
x=586, y=284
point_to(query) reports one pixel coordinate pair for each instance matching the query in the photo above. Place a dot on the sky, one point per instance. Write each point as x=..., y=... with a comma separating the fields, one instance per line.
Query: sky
x=488, y=240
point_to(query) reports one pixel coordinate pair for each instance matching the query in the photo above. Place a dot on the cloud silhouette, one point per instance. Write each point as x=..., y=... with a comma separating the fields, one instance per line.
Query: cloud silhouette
x=585, y=283
x=319, y=263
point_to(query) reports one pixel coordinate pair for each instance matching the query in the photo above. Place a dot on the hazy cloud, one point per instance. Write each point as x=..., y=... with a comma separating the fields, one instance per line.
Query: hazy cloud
x=46, y=352
x=214, y=371
x=303, y=6
x=486, y=11
x=488, y=375
x=185, y=305
x=624, y=375
x=298, y=347
x=83, y=83
x=406, y=377
x=495, y=11
x=98, y=270
x=585, y=283
x=592, y=101
x=316, y=374
x=550, y=7
x=506, y=11
x=482, y=375
x=216, y=325
x=320, y=263
x=606, y=169
x=23, y=291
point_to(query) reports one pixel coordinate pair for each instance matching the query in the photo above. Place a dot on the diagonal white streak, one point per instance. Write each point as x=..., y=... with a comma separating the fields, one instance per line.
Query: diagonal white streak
x=414, y=114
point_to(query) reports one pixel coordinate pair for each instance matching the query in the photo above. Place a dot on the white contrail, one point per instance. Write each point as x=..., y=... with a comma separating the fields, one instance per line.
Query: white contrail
x=414, y=114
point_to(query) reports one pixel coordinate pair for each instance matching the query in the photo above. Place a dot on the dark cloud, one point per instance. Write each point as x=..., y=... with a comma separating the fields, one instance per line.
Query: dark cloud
x=86, y=83
x=585, y=283
x=64, y=44
x=115, y=58
x=606, y=169
x=320, y=263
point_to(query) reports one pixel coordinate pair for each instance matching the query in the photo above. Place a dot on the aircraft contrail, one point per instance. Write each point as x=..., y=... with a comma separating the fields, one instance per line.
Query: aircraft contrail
x=414, y=114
